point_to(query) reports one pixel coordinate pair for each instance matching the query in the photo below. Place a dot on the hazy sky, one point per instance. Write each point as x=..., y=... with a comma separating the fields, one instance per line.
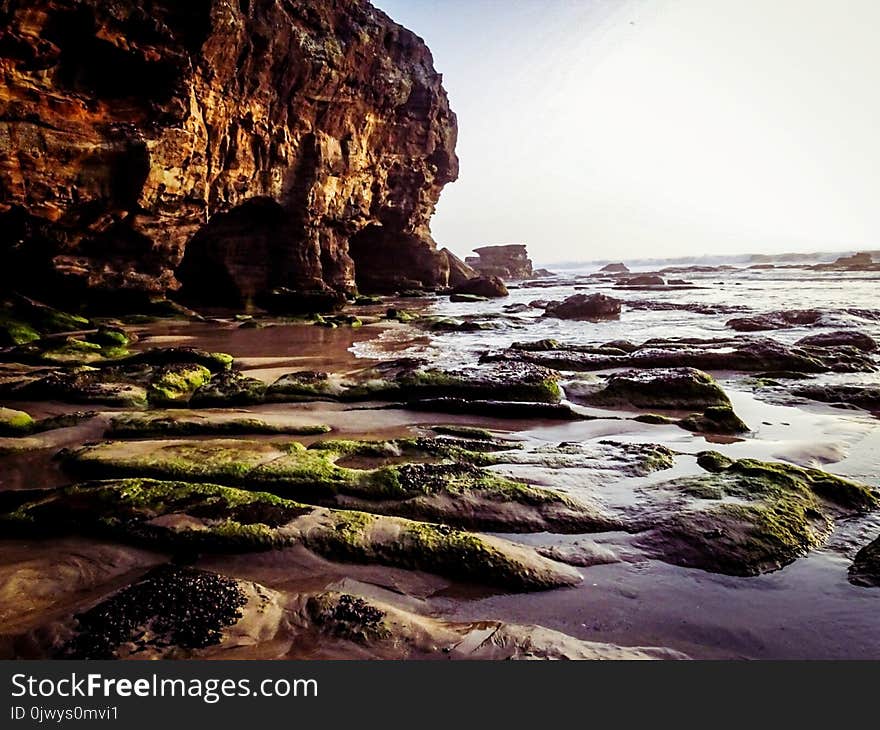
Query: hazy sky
x=625, y=128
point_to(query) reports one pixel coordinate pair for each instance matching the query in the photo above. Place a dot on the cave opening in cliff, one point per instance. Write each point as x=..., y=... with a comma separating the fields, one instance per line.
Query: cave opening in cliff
x=232, y=258
x=363, y=248
x=388, y=260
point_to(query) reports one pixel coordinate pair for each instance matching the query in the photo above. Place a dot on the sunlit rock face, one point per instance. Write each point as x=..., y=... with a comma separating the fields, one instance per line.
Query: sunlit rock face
x=226, y=147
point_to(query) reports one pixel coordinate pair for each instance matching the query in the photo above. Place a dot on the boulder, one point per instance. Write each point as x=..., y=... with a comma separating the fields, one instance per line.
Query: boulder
x=585, y=306
x=865, y=568
x=648, y=280
x=782, y=319
x=483, y=286
x=680, y=389
x=618, y=268
x=863, y=396
x=844, y=338
x=459, y=271
x=15, y=423
x=758, y=356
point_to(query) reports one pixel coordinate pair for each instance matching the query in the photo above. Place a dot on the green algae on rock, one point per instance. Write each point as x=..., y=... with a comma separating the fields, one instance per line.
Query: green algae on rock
x=186, y=516
x=409, y=380
x=453, y=491
x=680, y=389
x=15, y=332
x=738, y=354
x=158, y=356
x=108, y=386
x=468, y=432
x=161, y=376
x=176, y=383
x=229, y=388
x=748, y=517
x=192, y=423
x=61, y=351
x=15, y=423
x=24, y=320
x=717, y=419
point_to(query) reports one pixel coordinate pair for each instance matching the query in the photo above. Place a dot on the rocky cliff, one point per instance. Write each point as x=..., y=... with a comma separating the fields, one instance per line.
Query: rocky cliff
x=226, y=147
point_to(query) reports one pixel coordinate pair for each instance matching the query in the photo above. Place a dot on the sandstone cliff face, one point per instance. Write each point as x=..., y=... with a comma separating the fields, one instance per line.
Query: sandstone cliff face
x=231, y=146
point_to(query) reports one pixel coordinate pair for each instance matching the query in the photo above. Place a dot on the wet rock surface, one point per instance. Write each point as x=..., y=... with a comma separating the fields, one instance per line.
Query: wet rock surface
x=679, y=389
x=186, y=518
x=749, y=355
x=483, y=286
x=432, y=479
x=865, y=568
x=584, y=306
x=863, y=396
x=250, y=620
x=747, y=517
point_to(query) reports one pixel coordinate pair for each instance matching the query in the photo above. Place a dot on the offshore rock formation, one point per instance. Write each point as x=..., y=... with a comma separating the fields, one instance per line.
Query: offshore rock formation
x=510, y=261
x=231, y=147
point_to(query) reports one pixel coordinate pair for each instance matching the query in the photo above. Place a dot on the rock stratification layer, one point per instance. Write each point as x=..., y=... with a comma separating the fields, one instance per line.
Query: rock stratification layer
x=231, y=147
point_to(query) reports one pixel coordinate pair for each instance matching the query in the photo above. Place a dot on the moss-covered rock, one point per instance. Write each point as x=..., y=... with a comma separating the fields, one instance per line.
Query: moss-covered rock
x=749, y=517
x=738, y=354
x=107, y=386
x=409, y=380
x=63, y=351
x=63, y=420
x=655, y=419
x=15, y=332
x=303, y=385
x=467, y=432
x=451, y=490
x=43, y=318
x=713, y=461
x=164, y=376
x=363, y=300
x=517, y=410
x=863, y=396
x=475, y=451
x=339, y=320
x=681, y=389
x=192, y=423
x=176, y=383
x=229, y=388
x=178, y=516
x=216, y=362
x=15, y=423
x=110, y=336
x=399, y=315
x=717, y=419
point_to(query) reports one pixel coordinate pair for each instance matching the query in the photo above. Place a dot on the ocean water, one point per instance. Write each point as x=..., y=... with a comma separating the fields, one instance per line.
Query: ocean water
x=746, y=291
x=806, y=610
